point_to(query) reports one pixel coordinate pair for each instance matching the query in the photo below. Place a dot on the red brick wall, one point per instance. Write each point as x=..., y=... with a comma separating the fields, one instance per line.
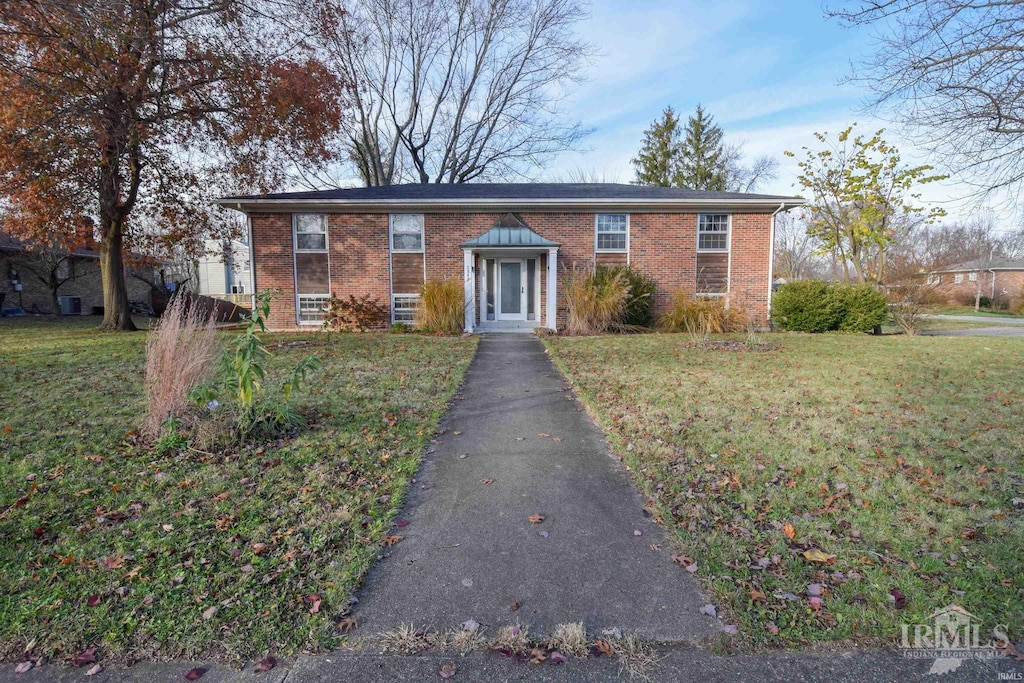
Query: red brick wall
x=1009, y=284
x=662, y=245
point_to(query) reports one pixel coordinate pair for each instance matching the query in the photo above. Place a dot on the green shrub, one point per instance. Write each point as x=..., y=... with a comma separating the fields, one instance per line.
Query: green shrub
x=596, y=303
x=400, y=328
x=984, y=302
x=442, y=307
x=816, y=306
x=805, y=306
x=639, y=308
x=702, y=315
x=864, y=307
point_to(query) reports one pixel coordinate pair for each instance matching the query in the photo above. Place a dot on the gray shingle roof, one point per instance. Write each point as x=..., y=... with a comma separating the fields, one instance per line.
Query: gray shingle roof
x=984, y=264
x=509, y=231
x=510, y=191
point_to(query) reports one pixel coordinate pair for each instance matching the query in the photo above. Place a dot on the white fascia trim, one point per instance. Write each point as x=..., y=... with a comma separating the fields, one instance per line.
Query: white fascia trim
x=608, y=205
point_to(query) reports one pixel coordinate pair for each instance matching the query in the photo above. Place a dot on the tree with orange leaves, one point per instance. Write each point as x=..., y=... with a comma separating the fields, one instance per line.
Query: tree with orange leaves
x=138, y=113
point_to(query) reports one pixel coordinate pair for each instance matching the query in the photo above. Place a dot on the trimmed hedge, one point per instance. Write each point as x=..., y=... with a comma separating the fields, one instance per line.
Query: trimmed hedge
x=816, y=306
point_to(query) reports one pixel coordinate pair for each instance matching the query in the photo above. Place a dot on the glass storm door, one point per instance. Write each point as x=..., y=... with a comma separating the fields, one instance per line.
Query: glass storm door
x=511, y=290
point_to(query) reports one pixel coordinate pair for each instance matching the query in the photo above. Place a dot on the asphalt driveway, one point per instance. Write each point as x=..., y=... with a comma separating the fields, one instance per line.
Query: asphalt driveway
x=518, y=444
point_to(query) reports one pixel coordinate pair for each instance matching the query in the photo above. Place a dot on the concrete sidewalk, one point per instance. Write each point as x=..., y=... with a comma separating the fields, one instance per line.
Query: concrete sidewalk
x=470, y=550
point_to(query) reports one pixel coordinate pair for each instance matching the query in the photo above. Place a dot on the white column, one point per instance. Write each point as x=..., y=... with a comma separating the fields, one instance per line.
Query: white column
x=552, y=288
x=468, y=281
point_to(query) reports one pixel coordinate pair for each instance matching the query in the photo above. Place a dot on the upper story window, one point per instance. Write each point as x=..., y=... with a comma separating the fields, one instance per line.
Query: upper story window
x=713, y=232
x=612, y=231
x=407, y=232
x=958, y=278
x=310, y=232
x=973, y=276
x=934, y=278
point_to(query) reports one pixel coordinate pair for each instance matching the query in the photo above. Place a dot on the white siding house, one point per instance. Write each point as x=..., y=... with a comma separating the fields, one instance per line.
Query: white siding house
x=225, y=269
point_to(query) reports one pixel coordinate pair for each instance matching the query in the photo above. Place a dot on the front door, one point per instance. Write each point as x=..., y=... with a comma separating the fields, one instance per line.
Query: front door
x=511, y=289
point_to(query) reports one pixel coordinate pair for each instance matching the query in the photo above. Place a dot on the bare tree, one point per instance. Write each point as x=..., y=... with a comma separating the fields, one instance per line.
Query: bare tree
x=53, y=266
x=450, y=91
x=796, y=256
x=741, y=177
x=952, y=70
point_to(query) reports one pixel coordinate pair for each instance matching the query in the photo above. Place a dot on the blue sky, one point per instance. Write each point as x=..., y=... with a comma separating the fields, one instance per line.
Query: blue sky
x=772, y=73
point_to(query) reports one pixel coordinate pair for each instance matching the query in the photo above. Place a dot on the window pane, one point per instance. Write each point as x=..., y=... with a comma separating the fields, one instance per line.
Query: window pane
x=403, y=308
x=491, y=278
x=713, y=241
x=611, y=223
x=405, y=241
x=311, y=308
x=611, y=241
x=531, y=274
x=310, y=242
x=310, y=222
x=511, y=287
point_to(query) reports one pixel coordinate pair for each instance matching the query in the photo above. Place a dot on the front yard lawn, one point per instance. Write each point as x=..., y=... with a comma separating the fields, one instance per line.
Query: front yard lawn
x=900, y=459
x=109, y=544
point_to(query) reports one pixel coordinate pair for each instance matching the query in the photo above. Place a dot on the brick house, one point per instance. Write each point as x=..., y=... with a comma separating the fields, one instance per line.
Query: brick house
x=511, y=245
x=998, y=279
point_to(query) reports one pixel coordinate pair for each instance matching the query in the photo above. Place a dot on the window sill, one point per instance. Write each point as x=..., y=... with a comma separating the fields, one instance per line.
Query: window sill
x=611, y=251
x=712, y=251
x=407, y=251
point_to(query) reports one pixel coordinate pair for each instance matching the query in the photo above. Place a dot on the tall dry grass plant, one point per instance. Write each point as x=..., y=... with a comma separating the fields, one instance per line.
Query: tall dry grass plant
x=181, y=352
x=700, y=316
x=595, y=304
x=442, y=307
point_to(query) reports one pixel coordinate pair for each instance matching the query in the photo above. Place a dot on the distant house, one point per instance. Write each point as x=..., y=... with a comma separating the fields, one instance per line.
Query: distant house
x=224, y=271
x=38, y=279
x=995, y=278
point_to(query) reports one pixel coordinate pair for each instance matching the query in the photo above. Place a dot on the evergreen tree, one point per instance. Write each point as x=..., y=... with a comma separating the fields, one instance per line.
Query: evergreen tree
x=702, y=161
x=657, y=162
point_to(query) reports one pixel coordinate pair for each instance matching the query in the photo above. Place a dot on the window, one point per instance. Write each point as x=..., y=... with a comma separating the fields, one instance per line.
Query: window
x=934, y=278
x=407, y=232
x=310, y=232
x=973, y=277
x=958, y=278
x=612, y=231
x=403, y=308
x=713, y=232
x=311, y=308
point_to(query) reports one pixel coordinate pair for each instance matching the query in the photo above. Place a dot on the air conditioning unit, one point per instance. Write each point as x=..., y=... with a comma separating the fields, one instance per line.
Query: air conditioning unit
x=70, y=305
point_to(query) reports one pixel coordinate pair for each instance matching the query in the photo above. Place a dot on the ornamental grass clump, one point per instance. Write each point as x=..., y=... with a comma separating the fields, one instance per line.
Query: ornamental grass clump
x=181, y=352
x=700, y=316
x=596, y=303
x=442, y=308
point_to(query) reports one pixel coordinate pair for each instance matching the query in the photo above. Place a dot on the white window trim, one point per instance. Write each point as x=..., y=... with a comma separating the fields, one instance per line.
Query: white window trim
x=728, y=235
x=295, y=234
x=611, y=251
x=295, y=268
x=423, y=234
x=934, y=279
x=958, y=279
x=415, y=297
x=973, y=276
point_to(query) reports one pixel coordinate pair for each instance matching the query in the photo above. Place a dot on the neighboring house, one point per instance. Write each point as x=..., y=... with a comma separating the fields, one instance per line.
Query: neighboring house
x=224, y=269
x=38, y=279
x=995, y=278
x=509, y=244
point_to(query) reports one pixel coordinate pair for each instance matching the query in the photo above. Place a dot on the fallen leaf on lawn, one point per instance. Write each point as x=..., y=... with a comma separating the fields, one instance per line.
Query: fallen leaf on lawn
x=603, y=647
x=637, y=532
x=457, y=433
x=167, y=527
x=194, y=674
x=756, y=595
x=556, y=658
x=814, y=590
x=543, y=435
x=772, y=628
x=87, y=656
x=402, y=523
x=93, y=600
x=245, y=568
x=391, y=540
x=788, y=531
x=486, y=481
x=93, y=670
x=709, y=610
x=515, y=605
x=1012, y=652
x=536, y=519
x=113, y=562
x=259, y=547
x=347, y=624
x=543, y=534
x=537, y=655
x=24, y=667
x=315, y=606
x=815, y=603
x=898, y=597
x=222, y=496
x=557, y=439
x=731, y=629
x=682, y=560
x=447, y=671
x=209, y=612
x=265, y=664
x=692, y=568
x=818, y=556
x=470, y=625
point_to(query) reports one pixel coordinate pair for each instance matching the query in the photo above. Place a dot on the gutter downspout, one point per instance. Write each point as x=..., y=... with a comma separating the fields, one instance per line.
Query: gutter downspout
x=252, y=260
x=771, y=260
x=993, y=297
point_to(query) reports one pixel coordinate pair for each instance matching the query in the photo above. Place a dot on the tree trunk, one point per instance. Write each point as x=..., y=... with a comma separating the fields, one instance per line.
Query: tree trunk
x=54, y=295
x=116, y=311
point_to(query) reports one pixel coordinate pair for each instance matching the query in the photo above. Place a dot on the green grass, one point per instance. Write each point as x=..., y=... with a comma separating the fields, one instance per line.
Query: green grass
x=162, y=540
x=901, y=457
x=969, y=310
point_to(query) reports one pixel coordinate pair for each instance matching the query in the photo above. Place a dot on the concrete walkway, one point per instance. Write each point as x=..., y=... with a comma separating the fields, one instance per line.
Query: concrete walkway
x=470, y=551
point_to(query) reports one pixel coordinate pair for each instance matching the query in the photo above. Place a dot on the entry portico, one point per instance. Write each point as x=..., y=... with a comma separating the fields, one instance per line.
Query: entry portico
x=514, y=270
